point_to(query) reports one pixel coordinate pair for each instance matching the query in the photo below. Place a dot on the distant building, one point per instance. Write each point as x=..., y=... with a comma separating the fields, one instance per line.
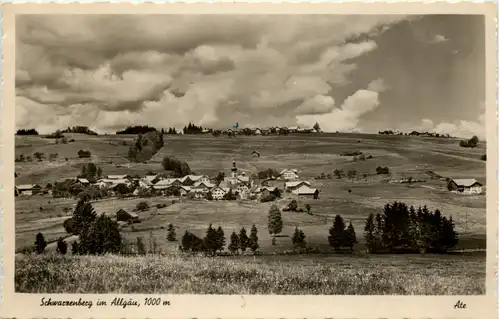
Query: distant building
x=191, y=179
x=257, y=131
x=184, y=190
x=124, y=216
x=114, y=177
x=306, y=191
x=291, y=186
x=218, y=193
x=465, y=186
x=82, y=181
x=289, y=174
x=28, y=190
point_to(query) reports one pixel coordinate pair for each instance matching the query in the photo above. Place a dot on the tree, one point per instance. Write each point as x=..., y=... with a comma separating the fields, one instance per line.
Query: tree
x=274, y=221
x=75, y=248
x=62, y=246
x=211, y=240
x=102, y=237
x=39, y=156
x=308, y=209
x=235, y=243
x=298, y=238
x=382, y=170
x=292, y=206
x=243, y=240
x=40, y=243
x=369, y=234
x=83, y=216
x=316, y=127
x=336, y=238
x=142, y=206
x=171, y=233
x=141, y=247
x=221, y=239
x=350, y=237
x=254, y=239
x=338, y=173
x=186, y=241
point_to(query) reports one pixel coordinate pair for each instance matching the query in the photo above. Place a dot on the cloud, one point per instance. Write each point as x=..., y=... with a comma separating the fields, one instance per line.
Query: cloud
x=345, y=118
x=439, y=38
x=461, y=128
x=378, y=85
x=114, y=70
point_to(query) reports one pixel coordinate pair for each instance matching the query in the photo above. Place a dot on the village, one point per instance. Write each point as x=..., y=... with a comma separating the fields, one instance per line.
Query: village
x=237, y=185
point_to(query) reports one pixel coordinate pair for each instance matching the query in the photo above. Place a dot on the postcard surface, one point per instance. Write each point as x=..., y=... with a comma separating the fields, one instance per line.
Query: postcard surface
x=249, y=160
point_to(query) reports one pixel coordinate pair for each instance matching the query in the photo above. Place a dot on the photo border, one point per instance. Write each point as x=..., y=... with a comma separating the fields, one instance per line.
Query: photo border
x=22, y=305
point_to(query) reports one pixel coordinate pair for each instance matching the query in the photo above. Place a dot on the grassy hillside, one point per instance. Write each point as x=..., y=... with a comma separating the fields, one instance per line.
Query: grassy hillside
x=310, y=154
x=335, y=275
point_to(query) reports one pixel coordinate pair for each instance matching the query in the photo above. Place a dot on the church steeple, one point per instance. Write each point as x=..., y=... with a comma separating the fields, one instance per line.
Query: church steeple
x=234, y=169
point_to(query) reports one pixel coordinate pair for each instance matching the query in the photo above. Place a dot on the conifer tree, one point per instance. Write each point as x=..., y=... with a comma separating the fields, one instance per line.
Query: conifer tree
x=62, y=246
x=210, y=241
x=350, y=237
x=171, y=233
x=221, y=239
x=103, y=236
x=336, y=238
x=40, y=243
x=254, y=239
x=275, y=222
x=298, y=238
x=75, y=248
x=235, y=243
x=83, y=216
x=244, y=241
x=369, y=234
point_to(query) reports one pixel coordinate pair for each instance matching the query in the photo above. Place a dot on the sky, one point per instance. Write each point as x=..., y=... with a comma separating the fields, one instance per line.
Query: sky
x=349, y=73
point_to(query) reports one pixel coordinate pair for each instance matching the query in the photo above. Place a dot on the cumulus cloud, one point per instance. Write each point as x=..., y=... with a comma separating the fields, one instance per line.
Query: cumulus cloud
x=111, y=70
x=347, y=116
x=439, y=38
x=461, y=128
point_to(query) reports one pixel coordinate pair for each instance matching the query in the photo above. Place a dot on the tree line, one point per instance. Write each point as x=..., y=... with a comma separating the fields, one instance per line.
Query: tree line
x=145, y=146
x=137, y=129
x=31, y=131
x=79, y=130
x=192, y=129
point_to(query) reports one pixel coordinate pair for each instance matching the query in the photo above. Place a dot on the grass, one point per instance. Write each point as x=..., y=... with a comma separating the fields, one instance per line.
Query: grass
x=337, y=275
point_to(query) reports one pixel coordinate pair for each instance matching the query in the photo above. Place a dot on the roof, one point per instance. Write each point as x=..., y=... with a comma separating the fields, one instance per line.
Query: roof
x=150, y=178
x=466, y=182
x=26, y=186
x=194, y=178
x=244, y=179
x=305, y=190
x=297, y=183
x=161, y=186
x=201, y=184
x=117, y=176
x=118, y=181
x=167, y=181
x=83, y=180
x=288, y=170
x=186, y=188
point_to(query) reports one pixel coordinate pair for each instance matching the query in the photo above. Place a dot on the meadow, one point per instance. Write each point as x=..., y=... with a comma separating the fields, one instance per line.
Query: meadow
x=312, y=154
x=283, y=275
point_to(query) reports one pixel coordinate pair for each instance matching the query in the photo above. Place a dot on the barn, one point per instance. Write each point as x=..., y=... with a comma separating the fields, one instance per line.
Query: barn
x=124, y=216
x=28, y=190
x=465, y=186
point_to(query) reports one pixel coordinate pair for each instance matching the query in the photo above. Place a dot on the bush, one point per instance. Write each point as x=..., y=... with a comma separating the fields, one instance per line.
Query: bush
x=62, y=246
x=470, y=143
x=382, y=170
x=83, y=154
x=354, y=153
x=171, y=233
x=142, y=206
x=69, y=226
x=298, y=238
x=268, y=198
x=40, y=243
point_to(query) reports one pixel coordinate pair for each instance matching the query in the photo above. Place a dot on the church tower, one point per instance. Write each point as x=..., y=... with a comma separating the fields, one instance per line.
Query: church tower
x=234, y=170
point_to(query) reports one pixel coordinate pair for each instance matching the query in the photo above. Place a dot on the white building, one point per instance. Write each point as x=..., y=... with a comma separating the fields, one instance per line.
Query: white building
x=465, y=186
x=290, y=186
x=218, y=193
x=306, y=190
x=289, y=174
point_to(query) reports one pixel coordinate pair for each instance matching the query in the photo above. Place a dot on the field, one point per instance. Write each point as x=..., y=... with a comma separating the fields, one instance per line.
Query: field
x=326, y=275
x=310, y=154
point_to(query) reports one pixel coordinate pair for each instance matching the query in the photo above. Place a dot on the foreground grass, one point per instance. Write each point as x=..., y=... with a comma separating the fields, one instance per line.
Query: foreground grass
x=202, y=275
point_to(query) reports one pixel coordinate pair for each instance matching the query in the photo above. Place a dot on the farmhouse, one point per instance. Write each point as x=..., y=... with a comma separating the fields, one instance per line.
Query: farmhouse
x=184, y=190
x=291, y=186
x=218, y=193
x=306, y=191
x=28, y=190
x=202, y=187
x=465, y=186
x=82, y=181
x=289, y=174
x=189, y=180
x=124, y=216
